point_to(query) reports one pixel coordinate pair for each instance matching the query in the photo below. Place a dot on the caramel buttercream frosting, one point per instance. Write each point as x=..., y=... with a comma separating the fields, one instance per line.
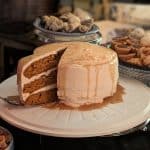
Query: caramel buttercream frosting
x=87, y=74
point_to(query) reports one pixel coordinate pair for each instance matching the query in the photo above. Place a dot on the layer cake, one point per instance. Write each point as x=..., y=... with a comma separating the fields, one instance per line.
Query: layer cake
x=76, y=73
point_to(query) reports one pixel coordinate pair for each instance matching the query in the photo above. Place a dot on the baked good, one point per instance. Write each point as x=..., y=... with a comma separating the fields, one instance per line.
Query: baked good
x=71, y=22
x=137, y=33
x=53, y=23
x=145, y=40
x=65, y=21
x=37, y=74
x=133, y=50
x=5, y=139
x=87, y=74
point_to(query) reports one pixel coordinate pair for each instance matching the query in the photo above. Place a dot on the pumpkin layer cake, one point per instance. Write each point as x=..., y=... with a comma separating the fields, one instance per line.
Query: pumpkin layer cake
x=76, y=73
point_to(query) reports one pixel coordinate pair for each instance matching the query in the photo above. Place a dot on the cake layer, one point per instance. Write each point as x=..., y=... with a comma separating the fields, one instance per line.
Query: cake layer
x=40, y=66
x=40, y=82
x=44, y=63
x=42, y=97
x=46, y=73
x=24, y=96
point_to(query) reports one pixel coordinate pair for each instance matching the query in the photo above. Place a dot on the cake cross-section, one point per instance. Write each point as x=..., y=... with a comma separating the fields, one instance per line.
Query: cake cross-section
x=37, y=75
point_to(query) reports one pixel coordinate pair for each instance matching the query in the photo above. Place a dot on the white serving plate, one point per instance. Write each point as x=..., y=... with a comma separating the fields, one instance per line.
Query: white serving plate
x=113, y=118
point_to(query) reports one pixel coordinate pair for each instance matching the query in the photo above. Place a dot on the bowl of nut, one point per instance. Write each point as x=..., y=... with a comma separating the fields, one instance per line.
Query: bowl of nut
x=6, y=139
x=133, y=51
x=67, y=26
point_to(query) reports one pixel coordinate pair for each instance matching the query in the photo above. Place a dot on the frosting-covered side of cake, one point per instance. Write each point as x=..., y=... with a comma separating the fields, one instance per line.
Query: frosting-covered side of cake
x=87, y=74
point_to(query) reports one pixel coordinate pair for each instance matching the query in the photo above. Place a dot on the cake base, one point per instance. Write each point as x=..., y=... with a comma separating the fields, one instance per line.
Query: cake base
x=116, y=98
x=54, y=103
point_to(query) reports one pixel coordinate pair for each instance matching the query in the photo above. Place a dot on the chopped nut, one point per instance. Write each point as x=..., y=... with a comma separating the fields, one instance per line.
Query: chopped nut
x=146, y=60
x=137, y=33
x=79, y=20
x=86, y=25
x=135, y=61
x=127, y=57
x=72, y=22
x=53, y=23
x=83, y=15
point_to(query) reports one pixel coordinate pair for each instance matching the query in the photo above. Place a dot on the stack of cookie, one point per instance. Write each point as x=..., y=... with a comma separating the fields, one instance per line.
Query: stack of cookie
x=133, y=48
